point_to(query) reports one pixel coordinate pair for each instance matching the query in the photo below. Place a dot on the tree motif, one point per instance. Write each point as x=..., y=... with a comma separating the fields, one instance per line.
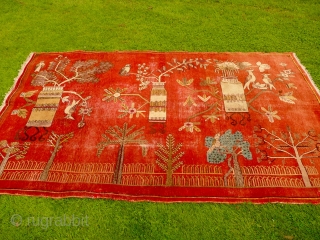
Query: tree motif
x=56, y=141
x=286, y=145
x=59, y=73
x=81, y=72
x=145, y=74
x=15, y=149
x=232, y=145
x=121, y=136
x=168, y=157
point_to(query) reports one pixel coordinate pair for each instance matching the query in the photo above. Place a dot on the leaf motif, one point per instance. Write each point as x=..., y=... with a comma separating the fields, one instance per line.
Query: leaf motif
x=185, y=82
x=28, y=94
x=288, y=98
x=22, y=113
x=3, y=143
x=291, y=85
x=204, y=98
x=189, y=102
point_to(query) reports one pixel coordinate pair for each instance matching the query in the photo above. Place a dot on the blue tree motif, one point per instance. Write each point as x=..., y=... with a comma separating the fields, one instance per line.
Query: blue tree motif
x=232, y=145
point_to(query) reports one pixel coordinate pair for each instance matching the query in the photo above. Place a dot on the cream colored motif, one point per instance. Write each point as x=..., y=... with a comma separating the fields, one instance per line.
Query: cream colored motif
x=45, y=108
x=233, y=96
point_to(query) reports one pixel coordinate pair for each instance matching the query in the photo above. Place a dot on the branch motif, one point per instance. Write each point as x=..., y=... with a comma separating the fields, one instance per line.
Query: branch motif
x=14, y=149
x=83, y=72
x=122, y=136
x=288, y=141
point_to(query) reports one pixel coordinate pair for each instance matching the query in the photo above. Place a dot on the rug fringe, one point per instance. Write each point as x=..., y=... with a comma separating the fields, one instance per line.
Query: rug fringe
x=308, y=74
x=15, y=81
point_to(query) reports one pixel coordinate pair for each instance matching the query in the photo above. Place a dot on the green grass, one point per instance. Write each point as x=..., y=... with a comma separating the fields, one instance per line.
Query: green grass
x=202, y=25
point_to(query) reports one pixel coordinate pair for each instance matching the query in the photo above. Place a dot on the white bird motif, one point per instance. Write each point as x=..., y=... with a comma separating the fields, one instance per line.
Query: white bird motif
x=125, y=70
x=71, y=109
x=268, y=81
x=39, y=66
x=251, y=78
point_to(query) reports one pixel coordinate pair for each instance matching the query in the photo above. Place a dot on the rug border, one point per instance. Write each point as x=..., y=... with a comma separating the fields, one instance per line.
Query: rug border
x=305, y=70
x=164, y=200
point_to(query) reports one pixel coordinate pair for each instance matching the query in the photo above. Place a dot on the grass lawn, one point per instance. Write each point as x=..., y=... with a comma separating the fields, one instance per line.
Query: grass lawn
x=198, y=25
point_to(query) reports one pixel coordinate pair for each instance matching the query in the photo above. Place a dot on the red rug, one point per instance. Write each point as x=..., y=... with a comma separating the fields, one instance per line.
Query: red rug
x=196, y=127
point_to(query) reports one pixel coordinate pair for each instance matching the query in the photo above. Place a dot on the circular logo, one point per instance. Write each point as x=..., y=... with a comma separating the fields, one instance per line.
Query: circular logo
x=16, y=220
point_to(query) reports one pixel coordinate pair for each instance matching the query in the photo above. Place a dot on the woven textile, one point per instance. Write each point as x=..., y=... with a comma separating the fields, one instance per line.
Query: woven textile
x=176, y=126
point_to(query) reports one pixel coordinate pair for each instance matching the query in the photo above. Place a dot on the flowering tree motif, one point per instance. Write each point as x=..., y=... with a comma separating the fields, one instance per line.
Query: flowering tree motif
x=145, y=74
x=80, y=71
x=205, y=95
x=15, y=149
x=232, y=145
x=121, y=136
x=210, y=94
x=237, y=95
x=56, y=142
x=168, y=158
x=285, y=145
x=154, y=74
x=57, y=75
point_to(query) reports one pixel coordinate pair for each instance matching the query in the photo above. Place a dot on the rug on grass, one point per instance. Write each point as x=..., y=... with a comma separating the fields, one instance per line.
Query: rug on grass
x=177, y=126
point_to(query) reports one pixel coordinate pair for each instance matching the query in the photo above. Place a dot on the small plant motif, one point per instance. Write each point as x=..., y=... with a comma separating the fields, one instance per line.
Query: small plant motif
x=21, y=111
x=168, y=157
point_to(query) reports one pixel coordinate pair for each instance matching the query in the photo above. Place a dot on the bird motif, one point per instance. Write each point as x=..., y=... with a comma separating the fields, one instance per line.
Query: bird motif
x=268, y=81
x=215, y=143
x=39, y=66
x=251, y=78
x=125, y=70
x=71, y=109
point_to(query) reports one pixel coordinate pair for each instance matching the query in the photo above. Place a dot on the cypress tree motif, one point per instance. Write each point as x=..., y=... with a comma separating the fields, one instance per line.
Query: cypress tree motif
x=168, y=158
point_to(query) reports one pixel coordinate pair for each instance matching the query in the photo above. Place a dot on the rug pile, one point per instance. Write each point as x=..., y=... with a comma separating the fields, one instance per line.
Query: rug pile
x=177, y=126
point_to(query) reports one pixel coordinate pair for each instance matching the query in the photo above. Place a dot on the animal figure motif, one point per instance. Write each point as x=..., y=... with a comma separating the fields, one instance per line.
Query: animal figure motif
x=215, y=143
x=125, y=70
x=268, y=81
x=251, y=78
x=39, y=66
x=70, y=109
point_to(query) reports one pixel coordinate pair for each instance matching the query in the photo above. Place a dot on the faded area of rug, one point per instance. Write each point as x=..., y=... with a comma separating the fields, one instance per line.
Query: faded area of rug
x=196, y=127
